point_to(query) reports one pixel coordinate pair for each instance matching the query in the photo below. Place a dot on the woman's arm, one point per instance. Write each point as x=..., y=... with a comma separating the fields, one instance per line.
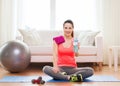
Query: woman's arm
x=77, y=53
x=55, y=57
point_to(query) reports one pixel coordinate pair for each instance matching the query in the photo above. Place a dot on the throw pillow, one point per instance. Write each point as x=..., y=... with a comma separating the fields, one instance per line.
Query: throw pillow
x=88, y=38
x=31, y=37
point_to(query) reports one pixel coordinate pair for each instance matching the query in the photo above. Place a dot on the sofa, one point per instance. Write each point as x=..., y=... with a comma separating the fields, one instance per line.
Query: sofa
x=40, y=44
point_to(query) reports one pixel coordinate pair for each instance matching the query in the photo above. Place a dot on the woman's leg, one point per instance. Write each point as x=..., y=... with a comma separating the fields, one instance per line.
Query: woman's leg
x=81, y=73
x=84, y=71
x=48, y=70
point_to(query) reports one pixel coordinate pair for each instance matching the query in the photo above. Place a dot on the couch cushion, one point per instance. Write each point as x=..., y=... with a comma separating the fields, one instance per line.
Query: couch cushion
x=41, y=50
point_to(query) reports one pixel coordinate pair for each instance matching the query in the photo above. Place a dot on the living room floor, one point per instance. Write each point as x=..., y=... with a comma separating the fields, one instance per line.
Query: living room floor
x=35, y=69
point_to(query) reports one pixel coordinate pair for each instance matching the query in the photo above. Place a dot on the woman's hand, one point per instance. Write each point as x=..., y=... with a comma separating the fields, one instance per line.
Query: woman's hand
x=55, y=69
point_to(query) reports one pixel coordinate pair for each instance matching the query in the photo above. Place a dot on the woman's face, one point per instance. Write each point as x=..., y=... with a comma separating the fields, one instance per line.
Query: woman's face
x=68, y=29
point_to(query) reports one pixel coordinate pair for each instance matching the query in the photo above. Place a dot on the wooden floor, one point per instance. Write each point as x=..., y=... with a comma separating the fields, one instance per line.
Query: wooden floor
x=35, y=69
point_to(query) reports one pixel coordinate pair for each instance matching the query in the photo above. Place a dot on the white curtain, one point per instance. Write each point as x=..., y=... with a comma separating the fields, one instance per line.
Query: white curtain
x=8, y=21
x=111, y=25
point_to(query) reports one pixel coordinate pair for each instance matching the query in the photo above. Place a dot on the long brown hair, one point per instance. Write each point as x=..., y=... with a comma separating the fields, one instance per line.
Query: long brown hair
x=71, y=22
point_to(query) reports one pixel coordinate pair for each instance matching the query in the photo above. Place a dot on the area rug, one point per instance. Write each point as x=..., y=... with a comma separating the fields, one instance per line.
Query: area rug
x=27, y=79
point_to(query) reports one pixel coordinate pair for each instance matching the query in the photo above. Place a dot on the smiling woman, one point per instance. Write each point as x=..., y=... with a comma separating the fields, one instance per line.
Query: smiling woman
x=64, y=63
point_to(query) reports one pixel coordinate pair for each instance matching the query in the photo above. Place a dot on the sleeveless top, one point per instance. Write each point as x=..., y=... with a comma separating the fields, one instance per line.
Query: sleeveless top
x=66, y=56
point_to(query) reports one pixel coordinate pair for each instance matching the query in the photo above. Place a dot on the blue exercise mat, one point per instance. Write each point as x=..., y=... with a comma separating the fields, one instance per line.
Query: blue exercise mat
x=27, y=79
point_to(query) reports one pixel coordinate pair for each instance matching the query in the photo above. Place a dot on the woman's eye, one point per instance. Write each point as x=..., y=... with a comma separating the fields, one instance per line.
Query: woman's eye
x=65, y=27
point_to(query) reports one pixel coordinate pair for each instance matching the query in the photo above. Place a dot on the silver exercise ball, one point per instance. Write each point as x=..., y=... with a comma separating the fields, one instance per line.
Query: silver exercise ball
x=15, y=56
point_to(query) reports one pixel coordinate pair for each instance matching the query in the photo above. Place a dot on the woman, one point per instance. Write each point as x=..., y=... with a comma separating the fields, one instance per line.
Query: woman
x=64, y=64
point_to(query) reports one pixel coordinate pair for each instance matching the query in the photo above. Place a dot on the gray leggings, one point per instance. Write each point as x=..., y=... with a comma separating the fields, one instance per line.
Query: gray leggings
x=84, y=71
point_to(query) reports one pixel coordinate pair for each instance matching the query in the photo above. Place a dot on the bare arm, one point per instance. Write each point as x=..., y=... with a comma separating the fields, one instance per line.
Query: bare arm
x=55, y=57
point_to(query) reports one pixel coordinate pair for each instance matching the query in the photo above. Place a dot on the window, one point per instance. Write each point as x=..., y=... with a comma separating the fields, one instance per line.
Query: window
x=82, y=12
x=50, y=14
x=36, y=14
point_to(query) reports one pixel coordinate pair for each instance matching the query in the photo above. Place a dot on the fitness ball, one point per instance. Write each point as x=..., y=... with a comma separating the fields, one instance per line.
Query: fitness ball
x=15, y=56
